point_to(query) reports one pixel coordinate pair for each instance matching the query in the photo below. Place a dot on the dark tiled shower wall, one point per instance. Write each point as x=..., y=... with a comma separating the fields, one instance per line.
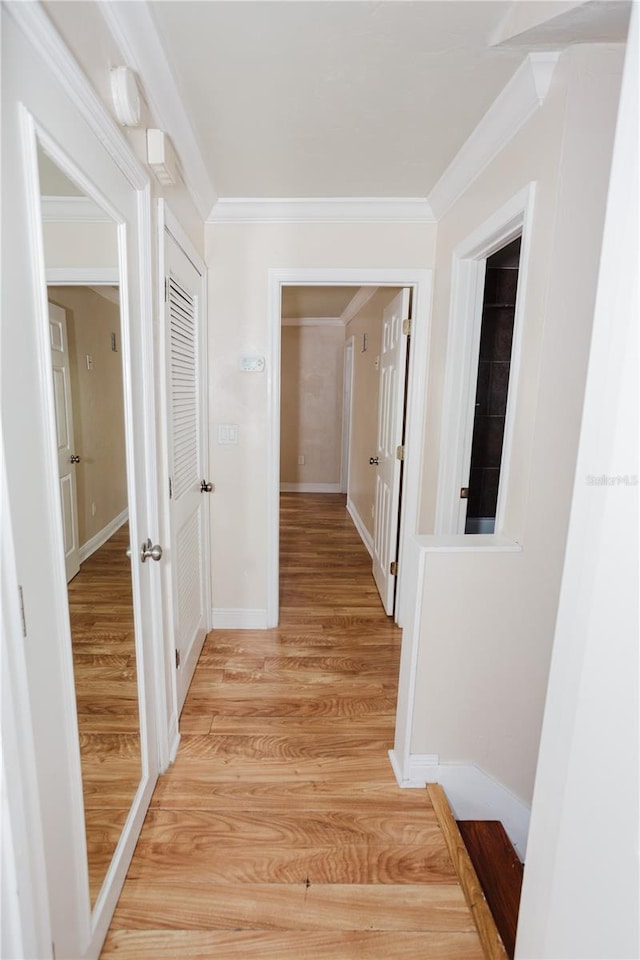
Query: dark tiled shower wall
x=491, y=394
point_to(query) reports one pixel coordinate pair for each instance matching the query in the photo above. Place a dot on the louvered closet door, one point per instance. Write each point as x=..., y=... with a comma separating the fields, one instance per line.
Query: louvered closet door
x=189, y=555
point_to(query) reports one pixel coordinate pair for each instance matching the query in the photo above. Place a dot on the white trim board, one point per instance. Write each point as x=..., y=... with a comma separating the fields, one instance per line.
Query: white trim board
x=136, y=34
x=312, y=322
x=238, y=618
x=461, y=366
x=101, y=537
x=521, y=97
x=321, y=210
x=310, y=488
x=82, y=276
x=73, y=210
x=473, y=794
x=363, y=533
x=47, y=42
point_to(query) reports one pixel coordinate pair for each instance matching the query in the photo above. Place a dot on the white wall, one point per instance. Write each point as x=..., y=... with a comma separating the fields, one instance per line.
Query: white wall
x=239, y=257
x=488, y=618
x=581, y=893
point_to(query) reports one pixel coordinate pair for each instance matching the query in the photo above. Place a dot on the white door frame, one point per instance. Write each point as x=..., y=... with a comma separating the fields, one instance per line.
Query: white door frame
x=51, y=100
x=465, y=319
x=347, y=403
x=168, y=223
x=420, y=282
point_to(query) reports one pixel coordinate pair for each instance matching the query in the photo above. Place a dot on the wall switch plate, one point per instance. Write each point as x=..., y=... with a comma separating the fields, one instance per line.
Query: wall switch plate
x=227, y=433
x=89, y=361
x=300, y=459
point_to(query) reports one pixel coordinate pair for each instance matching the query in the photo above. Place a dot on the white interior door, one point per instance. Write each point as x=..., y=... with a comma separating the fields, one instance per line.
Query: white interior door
x=189, y=485
x=393, y=361
x=67, y=457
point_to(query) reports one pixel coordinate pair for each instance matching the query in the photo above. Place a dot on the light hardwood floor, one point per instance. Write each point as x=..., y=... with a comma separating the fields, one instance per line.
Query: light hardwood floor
x=280, y=832
x=104, y=667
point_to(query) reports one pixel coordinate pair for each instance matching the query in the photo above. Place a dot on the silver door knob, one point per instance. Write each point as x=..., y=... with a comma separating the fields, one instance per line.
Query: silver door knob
x=374, y=461
x=150, y=550
x=74, y=458
x=206, y=487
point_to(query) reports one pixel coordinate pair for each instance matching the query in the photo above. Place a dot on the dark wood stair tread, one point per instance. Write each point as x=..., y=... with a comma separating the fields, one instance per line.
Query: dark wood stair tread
x=499, y=871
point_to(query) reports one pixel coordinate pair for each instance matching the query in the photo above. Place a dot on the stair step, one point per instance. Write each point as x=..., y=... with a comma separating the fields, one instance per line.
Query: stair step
x=499, y=871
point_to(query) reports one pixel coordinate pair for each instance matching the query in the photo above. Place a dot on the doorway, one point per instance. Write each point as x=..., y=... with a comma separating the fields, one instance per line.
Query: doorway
x=419, y=284
x=343, y=374
x=492, y=388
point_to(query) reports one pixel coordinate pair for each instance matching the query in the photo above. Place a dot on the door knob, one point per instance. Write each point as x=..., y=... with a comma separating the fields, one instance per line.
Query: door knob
x=374, y=461
x=74, y=458
x=206, y=487
x=150, y=551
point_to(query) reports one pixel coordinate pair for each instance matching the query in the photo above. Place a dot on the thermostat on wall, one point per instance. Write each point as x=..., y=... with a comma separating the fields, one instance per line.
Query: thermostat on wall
x=252, y=364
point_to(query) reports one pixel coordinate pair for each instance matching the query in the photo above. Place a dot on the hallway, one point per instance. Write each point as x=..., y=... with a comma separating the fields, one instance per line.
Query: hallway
x=280, y=831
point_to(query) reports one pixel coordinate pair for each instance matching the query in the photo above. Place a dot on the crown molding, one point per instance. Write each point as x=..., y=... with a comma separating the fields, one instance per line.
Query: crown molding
x=138, y=40
x=321, y=210
x=63, y=209
x=49, y=45
x=521, y=97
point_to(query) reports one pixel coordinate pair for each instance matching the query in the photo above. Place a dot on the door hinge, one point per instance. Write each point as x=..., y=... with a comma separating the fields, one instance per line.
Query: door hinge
x=407, y=327
x=177, y=658
x=393, y=568
x=400, y=453
x=170, y=489
x=464, y=493
x=22, y=616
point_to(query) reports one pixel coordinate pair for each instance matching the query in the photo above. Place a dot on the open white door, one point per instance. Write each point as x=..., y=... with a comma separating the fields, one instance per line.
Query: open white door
x=190, y=489
x=393, y=362
x=67, y=458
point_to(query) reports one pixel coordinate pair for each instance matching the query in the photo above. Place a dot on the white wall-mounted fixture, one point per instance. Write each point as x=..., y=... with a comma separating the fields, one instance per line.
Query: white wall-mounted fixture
x=161, y=157
x=252, y=364
x=125, y=96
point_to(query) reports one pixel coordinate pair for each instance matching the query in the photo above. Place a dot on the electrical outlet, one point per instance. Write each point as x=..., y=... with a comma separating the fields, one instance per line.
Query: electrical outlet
x=89, y=361
x=300, y=459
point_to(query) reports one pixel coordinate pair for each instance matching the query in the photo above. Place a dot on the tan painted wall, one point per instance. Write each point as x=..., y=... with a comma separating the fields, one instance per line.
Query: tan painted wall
x=483, y=663
x=364, y=404
x=98, y=406
x=87, y=36
x=240, y=256
x=311, y=403
x=80, y=245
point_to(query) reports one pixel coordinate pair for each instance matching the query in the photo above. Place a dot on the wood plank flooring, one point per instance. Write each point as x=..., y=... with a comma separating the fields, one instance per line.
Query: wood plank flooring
x=499, y=871
x=280, y=832
x=104, y=667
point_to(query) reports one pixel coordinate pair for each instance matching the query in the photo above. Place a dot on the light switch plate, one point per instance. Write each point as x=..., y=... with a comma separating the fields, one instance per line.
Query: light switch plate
x=227, y=433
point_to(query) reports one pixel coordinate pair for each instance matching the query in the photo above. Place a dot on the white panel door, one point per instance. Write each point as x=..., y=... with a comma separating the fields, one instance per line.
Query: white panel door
x=393, y=361
x=64, y=437
x=189, y=496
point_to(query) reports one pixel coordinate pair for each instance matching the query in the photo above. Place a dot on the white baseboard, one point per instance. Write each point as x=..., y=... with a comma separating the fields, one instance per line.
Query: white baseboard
x=310, y=488
x=174, y=740
x=238, y=619
x=472, y=794
x=365, y=536
x=102, y=536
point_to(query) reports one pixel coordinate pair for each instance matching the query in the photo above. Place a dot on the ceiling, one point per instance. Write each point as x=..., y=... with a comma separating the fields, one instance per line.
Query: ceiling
x=333, y=99
x=350, y=98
